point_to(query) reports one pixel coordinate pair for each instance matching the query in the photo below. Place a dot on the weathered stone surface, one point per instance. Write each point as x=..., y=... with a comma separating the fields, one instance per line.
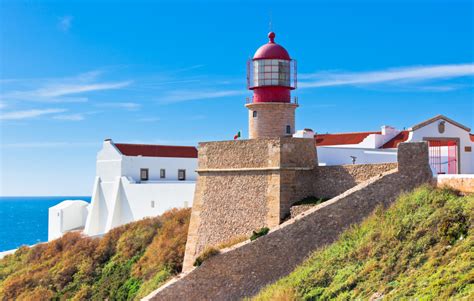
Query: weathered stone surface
x=296, y=210
x=329, y=181
x=271, y=120
x=242, y=271
x=246, y=185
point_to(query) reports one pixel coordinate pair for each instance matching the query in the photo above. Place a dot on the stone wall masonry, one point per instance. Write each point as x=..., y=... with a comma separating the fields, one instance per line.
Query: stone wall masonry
x=329, y=181
x=271, y=120
x=257, y=153
x=297, y=210
x=243, y=270
x=245, y=185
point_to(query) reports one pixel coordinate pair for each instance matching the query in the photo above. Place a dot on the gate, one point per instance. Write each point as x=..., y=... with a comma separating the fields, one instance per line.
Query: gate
x=444, y=156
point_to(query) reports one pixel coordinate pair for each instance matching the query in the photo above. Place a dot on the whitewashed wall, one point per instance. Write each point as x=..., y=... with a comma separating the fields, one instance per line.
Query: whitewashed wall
x=66, y=216
x=122, y=201
x=329, y=155
x=119, y=196
x=451, y=131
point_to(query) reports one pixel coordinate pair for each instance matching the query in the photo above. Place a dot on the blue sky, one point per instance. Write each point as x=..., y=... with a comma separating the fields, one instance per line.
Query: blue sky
x=73, y=73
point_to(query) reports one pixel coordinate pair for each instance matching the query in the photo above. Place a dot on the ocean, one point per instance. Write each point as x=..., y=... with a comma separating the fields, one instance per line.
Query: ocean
x=24, y=220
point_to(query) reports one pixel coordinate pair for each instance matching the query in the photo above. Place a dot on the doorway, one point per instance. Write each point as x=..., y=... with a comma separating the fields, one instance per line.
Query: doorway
x=443, y=155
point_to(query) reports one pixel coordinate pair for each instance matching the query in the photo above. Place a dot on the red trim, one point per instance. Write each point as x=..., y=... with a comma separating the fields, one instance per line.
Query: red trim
x=149, y=150
x=343, y=138
x=393, y=143
x=472, y=137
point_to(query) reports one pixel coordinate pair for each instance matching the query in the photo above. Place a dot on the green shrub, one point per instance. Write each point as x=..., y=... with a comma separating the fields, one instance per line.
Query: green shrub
x=256, y=234
x=311, y=200
x=206, y=254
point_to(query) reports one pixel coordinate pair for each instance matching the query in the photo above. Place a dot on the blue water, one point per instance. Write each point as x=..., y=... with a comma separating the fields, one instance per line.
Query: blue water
x=24, y=220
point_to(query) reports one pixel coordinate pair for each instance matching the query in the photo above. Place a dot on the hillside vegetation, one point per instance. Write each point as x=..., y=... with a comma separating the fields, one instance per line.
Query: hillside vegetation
x=127, y=263
x=422, y=248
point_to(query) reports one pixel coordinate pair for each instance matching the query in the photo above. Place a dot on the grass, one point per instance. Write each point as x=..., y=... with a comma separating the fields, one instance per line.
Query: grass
x=126, y=264
x=205, y=255
x=422, y=248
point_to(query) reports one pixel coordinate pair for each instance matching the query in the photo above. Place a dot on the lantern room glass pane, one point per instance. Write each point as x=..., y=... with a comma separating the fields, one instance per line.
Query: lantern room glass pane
x=272, y=73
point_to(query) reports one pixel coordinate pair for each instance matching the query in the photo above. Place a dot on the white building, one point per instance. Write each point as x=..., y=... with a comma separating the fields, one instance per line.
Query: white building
x=450, y=145
x=133, y=181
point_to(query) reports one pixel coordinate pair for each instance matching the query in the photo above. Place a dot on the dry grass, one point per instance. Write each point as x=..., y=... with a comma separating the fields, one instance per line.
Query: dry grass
x=127, y=262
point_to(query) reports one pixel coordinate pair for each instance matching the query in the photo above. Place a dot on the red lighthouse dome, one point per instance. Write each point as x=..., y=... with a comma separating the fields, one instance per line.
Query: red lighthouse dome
x=271, y=73
x=271, y=50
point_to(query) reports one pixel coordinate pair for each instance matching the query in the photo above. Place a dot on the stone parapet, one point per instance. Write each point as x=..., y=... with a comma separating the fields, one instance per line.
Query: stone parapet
x=330, y=181
x=265, y=153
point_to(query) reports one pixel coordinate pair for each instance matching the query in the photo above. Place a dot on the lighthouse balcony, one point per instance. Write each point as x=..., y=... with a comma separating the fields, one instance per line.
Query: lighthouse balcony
x=252, y=99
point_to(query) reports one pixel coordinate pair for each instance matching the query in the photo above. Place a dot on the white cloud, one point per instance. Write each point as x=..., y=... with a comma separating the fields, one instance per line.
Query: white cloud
x=68, y=89
x=401, y=75
x=149, y=119
x=188, y=95
x=59, y=89
x=65, y=22
x=27, y=114
x=131, y=106
x=70, y=117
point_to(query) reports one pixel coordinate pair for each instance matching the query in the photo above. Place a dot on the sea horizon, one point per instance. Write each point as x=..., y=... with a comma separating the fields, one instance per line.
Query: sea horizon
x=24, y=219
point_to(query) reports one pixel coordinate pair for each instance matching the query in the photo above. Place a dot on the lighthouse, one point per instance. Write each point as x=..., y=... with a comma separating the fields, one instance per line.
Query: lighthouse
x=271, y=75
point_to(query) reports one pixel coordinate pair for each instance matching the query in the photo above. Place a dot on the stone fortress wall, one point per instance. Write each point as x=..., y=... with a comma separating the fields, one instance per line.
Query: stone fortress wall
x=245, y=185
x=243, y=270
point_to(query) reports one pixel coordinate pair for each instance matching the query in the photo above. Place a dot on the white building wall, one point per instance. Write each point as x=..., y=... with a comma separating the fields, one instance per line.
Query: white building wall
x=451, y=131
x=330, y=155
x=66, y=216
x=119, y=196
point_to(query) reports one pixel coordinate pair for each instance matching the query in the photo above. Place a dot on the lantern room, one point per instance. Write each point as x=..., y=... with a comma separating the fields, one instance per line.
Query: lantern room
x=271, y=73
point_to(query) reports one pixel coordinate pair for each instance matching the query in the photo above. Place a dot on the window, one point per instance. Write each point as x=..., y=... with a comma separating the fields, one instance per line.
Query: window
x=254, y=114
x=288, y=129
x=144, y=174
x=181, y=174
x=162, y=173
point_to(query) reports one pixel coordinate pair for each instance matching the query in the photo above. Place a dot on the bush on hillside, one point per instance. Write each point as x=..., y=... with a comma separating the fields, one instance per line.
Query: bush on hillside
x=420, y=248
x=205, y=255
x=127, y=263
x=256, y=234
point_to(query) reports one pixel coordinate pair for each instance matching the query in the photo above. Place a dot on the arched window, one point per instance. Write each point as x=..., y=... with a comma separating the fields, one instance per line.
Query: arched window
x=288, y=129
x=254, y=113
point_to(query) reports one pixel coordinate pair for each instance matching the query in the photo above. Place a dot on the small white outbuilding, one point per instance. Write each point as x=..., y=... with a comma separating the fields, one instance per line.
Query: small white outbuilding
x=66, y=216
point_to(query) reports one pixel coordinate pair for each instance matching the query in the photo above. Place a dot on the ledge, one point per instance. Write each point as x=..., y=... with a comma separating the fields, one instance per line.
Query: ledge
x=252, y=169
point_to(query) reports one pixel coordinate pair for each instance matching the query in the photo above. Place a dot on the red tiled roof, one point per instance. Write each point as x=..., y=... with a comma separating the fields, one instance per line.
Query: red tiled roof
x=393, y=143
x=343, y=138
x=149, y=150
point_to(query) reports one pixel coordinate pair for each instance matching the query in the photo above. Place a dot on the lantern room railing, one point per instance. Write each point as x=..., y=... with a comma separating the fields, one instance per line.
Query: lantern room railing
x=271, y=73
x=294, y=100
